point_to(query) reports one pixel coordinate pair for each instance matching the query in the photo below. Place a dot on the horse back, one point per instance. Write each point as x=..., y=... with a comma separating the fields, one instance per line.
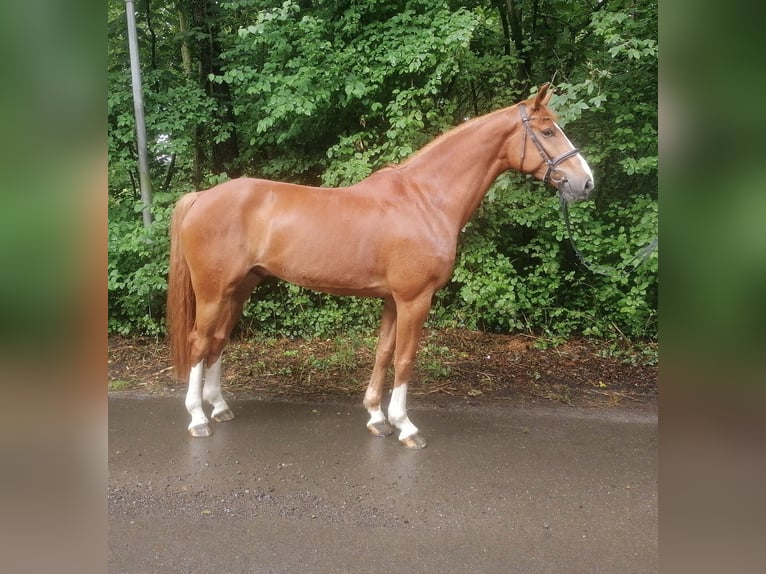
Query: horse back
x=362, y=239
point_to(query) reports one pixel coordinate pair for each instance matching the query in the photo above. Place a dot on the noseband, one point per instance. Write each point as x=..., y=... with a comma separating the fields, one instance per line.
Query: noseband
x=551, y=163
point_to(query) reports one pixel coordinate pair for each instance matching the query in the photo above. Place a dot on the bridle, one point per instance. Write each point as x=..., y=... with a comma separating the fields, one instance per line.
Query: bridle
x=551, y=163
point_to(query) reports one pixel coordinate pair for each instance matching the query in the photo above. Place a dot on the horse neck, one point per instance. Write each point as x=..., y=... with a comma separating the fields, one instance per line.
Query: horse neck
x=457, y=169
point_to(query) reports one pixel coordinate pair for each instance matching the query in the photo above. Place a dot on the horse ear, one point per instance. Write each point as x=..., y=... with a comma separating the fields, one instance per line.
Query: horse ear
x=543, y=96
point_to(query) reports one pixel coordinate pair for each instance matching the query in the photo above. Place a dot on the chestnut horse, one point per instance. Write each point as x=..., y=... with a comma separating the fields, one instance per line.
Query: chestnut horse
x=393, y=236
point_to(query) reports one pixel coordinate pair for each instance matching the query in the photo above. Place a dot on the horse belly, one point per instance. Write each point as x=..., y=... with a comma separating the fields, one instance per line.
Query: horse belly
x=334, y=259
x=341, y=243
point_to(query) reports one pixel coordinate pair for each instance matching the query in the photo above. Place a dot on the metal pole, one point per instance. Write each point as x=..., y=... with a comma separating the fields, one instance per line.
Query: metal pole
x=138, y=105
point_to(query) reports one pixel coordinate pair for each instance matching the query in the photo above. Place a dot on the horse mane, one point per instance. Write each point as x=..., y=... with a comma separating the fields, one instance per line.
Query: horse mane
x=448, y=135
x=457, y=130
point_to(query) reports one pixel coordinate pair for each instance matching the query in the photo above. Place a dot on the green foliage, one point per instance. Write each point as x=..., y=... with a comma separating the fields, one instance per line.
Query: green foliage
x=326, y=92
x=516, y=269
x=283, y=309
x=433, y=361
x=138, y=266
x=371, y=77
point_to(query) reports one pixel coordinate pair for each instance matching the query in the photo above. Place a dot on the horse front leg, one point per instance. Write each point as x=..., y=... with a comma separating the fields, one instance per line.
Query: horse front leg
x=411, y=317
x=378, y=425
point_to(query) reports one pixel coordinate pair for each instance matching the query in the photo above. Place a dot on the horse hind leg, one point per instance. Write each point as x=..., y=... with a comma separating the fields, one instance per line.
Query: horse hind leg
x=199, y=426
x=211, y=393
x=208, y=341
x=214, y=324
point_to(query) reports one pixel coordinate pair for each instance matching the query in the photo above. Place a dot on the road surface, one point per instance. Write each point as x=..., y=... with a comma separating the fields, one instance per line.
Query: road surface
x=302, y=487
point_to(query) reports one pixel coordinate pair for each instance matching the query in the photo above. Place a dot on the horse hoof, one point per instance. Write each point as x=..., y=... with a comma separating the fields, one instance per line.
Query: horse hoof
x=381, y=428
x=223, y=416
x=414, y=442
x=200, y=431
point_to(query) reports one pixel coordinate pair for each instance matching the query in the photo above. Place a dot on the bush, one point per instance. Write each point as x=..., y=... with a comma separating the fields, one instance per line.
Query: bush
x=138, y=266
x=281, y=309
x=515, y=270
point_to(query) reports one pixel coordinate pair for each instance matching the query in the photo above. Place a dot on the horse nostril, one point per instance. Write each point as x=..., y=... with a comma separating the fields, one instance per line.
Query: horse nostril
x=589, y=186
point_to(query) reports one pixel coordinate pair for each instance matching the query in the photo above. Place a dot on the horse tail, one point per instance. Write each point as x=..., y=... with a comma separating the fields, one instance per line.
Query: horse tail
x=182, y=303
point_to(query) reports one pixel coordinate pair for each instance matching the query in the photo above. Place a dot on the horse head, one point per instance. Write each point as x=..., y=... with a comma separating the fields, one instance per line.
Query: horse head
x=553, y=158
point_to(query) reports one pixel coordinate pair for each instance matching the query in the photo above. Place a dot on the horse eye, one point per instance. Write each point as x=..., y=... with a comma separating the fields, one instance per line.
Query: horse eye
x=548, y=132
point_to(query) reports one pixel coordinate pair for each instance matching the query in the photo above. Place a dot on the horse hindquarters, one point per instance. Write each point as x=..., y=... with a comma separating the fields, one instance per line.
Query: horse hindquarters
x=204, y=303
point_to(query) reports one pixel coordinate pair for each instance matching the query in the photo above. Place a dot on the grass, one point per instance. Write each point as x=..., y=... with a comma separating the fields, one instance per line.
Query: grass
x=637, y=354
x=119, y=385
x=352, y=353
x=450, y=363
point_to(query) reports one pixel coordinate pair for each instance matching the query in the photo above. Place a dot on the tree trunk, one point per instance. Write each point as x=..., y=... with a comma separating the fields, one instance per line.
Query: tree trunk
x=186, y=62
x=524, y=69
x=502, y=11
x=225, y=153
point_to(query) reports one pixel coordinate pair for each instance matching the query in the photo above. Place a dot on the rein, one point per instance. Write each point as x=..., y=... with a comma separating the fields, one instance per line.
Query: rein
x=638, y=259
x=614, y=272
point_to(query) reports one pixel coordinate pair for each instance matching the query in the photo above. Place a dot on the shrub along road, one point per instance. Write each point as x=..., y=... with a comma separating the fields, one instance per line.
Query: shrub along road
x=467, y=365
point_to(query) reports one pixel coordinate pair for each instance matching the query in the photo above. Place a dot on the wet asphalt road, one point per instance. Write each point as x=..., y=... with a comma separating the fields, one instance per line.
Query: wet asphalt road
x=298, y=487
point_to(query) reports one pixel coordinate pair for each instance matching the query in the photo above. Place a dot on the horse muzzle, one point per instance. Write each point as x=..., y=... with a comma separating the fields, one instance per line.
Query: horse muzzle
x=575, y=190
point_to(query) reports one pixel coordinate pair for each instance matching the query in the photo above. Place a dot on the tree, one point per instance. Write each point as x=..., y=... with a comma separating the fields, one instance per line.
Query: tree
x=326, y=91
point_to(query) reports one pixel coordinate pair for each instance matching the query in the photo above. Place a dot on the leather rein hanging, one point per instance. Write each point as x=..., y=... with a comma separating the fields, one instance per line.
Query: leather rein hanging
x=552, y=163
x=614, y=272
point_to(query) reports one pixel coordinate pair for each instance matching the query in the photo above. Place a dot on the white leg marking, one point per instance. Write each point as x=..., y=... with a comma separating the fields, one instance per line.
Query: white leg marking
x=397, y=413
x=211, y=392
x=376, y=416
x=376, y=413
x=194, y=396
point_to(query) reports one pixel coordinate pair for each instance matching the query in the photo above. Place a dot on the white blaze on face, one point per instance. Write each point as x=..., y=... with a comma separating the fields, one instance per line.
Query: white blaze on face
x=583, y=164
